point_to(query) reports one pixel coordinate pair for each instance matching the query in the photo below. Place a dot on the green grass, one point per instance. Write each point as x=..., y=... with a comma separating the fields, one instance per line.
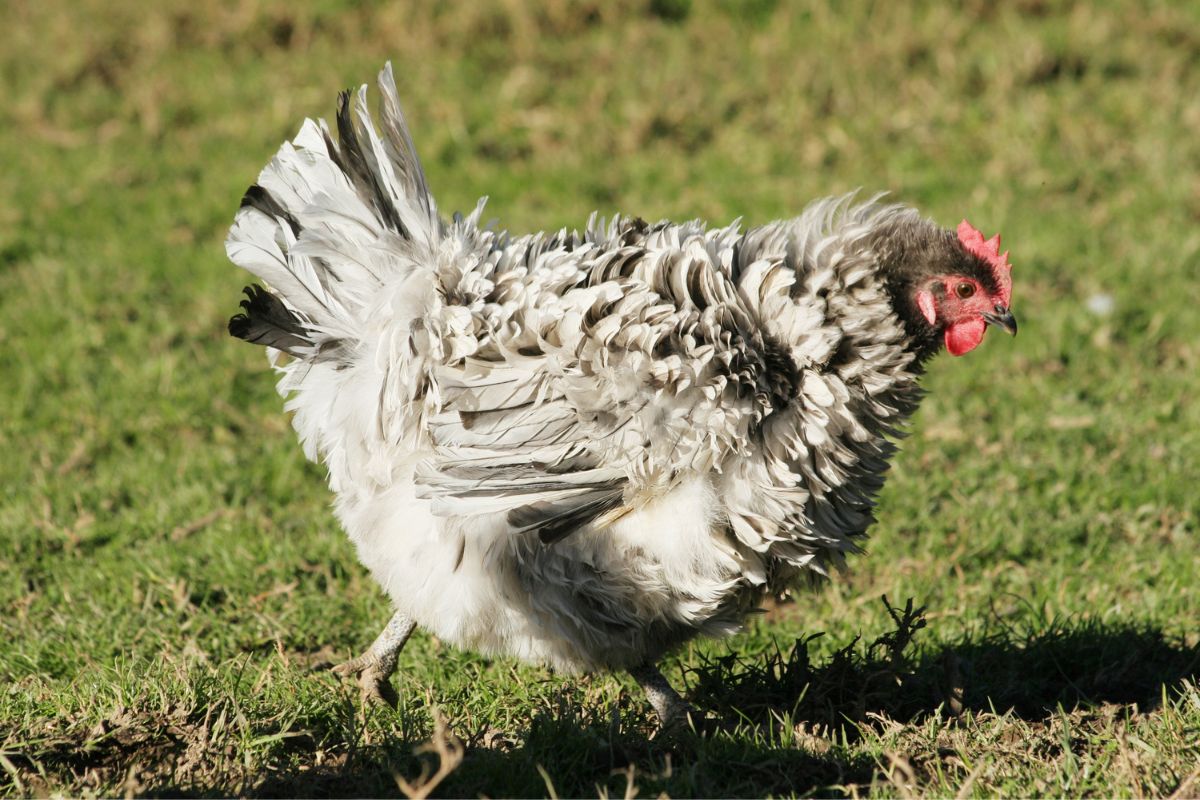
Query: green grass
x=172, y=582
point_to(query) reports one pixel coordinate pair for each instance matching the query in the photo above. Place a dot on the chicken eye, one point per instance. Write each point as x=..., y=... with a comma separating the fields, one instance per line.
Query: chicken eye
x=964, y=290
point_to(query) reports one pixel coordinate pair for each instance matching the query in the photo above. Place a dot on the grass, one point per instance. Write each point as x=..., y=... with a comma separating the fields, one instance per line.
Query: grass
x=173, y=585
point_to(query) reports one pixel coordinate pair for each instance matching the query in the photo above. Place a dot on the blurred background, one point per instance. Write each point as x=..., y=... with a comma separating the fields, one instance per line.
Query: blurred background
x=161, y=536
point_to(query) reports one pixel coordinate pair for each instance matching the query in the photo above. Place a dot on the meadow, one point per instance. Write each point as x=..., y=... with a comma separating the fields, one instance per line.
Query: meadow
x=173, y=586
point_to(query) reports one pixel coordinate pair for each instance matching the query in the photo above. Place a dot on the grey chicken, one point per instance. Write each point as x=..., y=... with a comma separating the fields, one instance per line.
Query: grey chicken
x=584, y=449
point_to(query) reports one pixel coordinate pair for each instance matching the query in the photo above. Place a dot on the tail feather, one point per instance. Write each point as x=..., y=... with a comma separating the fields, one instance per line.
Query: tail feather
x=267, y=321
x=259, y=198
x=264, y=245
x=402, y=153
x=362, y=165
x=328, y=224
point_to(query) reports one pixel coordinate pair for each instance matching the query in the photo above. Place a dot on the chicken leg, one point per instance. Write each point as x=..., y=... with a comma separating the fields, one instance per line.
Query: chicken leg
x=375, y=666
x=672, y=709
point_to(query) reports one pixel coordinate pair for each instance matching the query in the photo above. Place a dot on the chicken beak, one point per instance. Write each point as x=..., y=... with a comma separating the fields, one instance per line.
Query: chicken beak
x=1002, y=318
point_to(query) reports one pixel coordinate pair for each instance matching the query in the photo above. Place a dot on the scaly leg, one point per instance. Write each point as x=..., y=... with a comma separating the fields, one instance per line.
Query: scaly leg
x=375, y=666
x=672, y=709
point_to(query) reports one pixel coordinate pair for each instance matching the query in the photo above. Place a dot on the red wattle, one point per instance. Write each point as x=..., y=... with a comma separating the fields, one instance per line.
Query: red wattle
x=963, y=337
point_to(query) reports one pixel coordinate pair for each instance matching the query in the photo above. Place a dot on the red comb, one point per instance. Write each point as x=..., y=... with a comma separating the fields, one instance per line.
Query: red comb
x=989, y=251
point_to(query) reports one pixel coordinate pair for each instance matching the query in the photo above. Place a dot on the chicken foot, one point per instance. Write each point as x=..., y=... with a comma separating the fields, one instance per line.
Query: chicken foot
x=377, y=663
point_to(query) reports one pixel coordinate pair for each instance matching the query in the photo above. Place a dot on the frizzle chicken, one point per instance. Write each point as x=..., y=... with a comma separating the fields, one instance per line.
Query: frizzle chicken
x=584, y=449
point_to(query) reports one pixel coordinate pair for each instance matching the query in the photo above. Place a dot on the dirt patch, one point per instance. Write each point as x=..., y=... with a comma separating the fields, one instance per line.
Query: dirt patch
x=127, y=752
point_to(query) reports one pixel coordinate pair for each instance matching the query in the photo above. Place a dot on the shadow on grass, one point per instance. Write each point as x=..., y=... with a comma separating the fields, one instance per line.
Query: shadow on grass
x=573, y=753
x=569, y=758
x=777, y=722
x=1068, y=664
x=745, y=749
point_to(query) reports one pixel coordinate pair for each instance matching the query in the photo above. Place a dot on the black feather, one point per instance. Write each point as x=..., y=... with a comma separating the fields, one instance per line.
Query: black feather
x=354, y=163
x=267, y=321
x=556, y=519
x=782, y=376
x=564, y=525
x=258, y=198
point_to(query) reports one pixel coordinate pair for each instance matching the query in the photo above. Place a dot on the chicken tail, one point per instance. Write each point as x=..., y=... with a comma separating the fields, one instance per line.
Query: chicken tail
x=328, y=224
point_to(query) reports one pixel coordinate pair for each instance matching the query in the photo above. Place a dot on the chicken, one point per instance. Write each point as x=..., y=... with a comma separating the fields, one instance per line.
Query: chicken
x=584, y=449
